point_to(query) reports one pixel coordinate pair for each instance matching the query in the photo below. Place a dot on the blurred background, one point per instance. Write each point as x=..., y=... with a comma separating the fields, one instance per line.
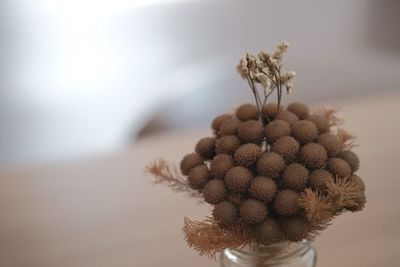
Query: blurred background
x=92, y=90
x=80, y=78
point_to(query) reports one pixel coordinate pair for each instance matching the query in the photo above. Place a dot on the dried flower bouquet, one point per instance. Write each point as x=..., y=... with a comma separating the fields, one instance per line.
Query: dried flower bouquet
x=271, y=173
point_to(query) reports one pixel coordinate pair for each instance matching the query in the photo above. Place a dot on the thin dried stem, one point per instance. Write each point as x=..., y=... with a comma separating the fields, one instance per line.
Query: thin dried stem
x=278, y=77
x=254, y=90
x=167, y=174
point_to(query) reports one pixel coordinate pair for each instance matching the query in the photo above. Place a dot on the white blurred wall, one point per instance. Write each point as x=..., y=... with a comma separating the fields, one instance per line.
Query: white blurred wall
x=80, y=77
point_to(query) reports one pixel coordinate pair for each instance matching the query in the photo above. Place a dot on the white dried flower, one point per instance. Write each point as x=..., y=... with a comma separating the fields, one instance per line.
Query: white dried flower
x=252, y=74
x=251, y=58
x=242, y=68
x=263, y=80
x=284, y=45
x=251, y=63
x=260, y=64
x=261, y=77
x=243, y=62
x=280, y=50
x=287, y=77
x=289, y=87
x=275, y=63
x=266, y=69
x=263, y=56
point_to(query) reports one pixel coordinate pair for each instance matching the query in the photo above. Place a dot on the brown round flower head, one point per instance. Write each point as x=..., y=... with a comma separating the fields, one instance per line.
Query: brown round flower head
x=206, y=147
x=319, y=178
x=229, y=127
x=286, y=204
x=268, y=232
x=247, y=154
x=330, y=143
x=198, y=176
x=338, y=167
x=216, y=123
x=220, y=165
x=190, y=161
x=247, y=112
x=276, y=129
x=270, y=164
x=251, y=132
x=300, y=109
x=271, y=109
x=253, y=211
x=351, y=158
x=356, y=180
x=287, y=116
x=238, y=179
x=295, y=176
x=321, y=123
x=263, y=188
x=237, y=198
x=227, y=144
x=295, y=228
x=304, y=131
x=225, y=212
x=313, y=155
x=214, y=191
x=287, y=147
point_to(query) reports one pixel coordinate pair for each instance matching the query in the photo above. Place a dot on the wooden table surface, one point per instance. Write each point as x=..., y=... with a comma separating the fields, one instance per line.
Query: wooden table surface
x=106, y=212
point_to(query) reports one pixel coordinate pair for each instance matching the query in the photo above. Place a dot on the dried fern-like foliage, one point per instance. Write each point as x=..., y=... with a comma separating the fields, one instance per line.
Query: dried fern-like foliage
x=167, y=174
x=318, y=210
x=345, y=195
x=328, y=113
x=342, y=194
x=209, y=238
x=317, y=227
x=317, y=207
x=346, y=139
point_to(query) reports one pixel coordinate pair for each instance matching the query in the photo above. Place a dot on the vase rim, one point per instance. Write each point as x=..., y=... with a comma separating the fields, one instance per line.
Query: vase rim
x=278, y=254
x=275, y=251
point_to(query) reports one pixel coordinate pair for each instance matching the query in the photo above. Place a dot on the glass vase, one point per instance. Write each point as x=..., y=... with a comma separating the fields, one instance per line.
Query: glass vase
x=285, y=254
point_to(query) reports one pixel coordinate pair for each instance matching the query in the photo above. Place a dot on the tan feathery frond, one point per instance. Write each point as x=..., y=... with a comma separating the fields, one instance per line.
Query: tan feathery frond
x=328, y=113
x=167, y=174
x=346, y=139
x=335, y=190
x=345, y=194
x=317, y=227
x=209, y=238
x=316, y=206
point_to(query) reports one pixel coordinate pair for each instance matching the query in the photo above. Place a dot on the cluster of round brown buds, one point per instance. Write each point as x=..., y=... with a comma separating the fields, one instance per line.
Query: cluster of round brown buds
x=254, y=172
